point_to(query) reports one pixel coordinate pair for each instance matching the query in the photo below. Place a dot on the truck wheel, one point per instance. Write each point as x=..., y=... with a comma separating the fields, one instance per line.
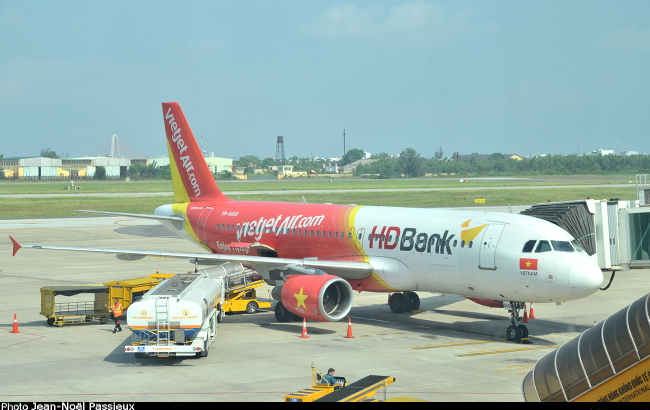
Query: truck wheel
x=50, y=321
x=103, y=320
x=220, y=316
x=251, y=307
x=282, y=314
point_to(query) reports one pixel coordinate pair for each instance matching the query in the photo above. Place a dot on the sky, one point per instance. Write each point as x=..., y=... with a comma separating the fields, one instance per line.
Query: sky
x=520, y=77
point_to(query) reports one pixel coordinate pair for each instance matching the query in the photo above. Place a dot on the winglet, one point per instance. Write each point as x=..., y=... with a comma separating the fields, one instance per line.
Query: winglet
x=16, y=245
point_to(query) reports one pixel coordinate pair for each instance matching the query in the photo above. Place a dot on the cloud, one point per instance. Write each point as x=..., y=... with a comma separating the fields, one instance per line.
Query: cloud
x=207, y=47
x=630, y=39
x=347, y=20
x=419, y=23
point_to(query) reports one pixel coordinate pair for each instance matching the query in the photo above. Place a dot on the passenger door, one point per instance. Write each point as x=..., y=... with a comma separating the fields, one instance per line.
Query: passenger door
x=489, y=246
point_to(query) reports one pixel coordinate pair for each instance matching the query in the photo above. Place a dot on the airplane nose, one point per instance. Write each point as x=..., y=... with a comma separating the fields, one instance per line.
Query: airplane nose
x=585, y=277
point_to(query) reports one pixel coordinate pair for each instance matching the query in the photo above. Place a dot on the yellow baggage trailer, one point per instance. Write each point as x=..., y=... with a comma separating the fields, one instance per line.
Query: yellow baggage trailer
x=78, y=311
x=130, y=290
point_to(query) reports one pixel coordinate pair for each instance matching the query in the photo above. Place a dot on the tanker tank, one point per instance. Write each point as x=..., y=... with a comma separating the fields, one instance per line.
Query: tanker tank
x=183, y=301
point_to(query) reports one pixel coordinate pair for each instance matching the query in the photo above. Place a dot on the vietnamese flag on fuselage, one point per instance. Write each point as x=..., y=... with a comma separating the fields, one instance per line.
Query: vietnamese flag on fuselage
x=528, y=264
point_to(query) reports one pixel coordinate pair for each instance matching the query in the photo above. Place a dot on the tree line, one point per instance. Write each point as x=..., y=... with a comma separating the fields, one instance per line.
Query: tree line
x=410, y=164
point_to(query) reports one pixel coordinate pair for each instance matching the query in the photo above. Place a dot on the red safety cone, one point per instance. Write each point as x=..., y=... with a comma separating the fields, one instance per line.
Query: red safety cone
x=15, y=328
x=349, y=335
x=532, y=311
x=304, y=329
x=525, y=315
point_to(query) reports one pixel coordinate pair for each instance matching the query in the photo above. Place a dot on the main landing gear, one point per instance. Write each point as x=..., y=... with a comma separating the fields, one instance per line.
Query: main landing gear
x=403, y=302
x=517, y=332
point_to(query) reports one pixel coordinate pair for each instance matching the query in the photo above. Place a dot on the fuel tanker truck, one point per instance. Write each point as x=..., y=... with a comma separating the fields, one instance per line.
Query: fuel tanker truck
x=179, y=316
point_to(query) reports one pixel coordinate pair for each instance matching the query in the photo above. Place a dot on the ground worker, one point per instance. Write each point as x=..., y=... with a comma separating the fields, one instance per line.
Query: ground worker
x=117, y=314
x=329, y=377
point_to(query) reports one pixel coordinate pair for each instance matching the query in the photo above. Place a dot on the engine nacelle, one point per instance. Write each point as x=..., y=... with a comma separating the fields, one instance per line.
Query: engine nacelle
x=323, y=298
x=487, y=302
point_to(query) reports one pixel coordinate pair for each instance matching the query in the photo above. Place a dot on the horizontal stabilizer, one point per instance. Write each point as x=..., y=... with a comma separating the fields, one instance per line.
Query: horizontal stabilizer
x=144, y=216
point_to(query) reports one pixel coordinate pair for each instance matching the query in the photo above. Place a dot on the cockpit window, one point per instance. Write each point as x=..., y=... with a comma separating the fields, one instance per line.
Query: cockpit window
x=576, y=245
x=529, y=246
x=543, y=246
x=562, y=246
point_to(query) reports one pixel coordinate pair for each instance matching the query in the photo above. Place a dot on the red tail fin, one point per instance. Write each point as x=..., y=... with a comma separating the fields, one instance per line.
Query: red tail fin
x=191, y=176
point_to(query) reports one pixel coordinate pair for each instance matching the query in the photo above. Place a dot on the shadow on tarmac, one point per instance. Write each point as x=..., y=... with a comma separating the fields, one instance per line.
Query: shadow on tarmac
x=147, y=231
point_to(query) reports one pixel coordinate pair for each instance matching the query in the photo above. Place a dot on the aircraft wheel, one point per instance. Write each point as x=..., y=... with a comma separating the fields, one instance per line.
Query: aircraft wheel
x=524, y=331
x=282, y=314
x=251, y=307
x=513, y=333
x=398, y=303
x=413, y=300
x=296, y=318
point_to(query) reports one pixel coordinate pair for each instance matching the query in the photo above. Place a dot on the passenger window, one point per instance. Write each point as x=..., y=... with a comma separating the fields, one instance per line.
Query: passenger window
x=529, y=246
x=462, y=244
x=336, y=234
x=360, y=235
x=543, y=246
x=329, y=234
x=317, y=233
x=455, y=243
x=562, y=246
x=349, y=235
x=470, y=244
x=369, y=237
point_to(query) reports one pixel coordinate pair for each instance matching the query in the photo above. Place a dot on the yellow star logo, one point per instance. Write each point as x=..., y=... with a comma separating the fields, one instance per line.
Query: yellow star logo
x=528, y=264
x=300, y=298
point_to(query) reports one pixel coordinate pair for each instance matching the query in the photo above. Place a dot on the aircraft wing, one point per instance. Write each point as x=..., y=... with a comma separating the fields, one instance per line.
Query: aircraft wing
x=344, y=269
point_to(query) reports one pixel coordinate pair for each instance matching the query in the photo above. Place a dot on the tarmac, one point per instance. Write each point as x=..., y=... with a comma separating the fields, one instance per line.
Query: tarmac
x=454, y=350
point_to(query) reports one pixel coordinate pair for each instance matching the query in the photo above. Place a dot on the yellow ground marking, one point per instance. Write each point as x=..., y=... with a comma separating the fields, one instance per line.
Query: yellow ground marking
x=504, y=351
x=516, y=368
x=435, y=346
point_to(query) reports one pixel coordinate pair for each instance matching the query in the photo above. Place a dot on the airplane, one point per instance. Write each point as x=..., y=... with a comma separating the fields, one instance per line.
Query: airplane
x=317, y=255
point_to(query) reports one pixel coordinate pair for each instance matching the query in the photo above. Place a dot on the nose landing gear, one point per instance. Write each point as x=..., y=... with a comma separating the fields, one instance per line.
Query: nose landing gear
x=516, y=332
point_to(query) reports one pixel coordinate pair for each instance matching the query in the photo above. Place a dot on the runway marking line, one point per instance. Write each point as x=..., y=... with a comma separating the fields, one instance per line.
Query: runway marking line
x=496, y=351
x=435, y=346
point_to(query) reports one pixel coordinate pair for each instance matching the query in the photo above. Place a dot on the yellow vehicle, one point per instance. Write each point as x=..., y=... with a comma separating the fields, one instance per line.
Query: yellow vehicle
x=85, y=311
x=130, y=290
x=241, y=294
x=321, y=391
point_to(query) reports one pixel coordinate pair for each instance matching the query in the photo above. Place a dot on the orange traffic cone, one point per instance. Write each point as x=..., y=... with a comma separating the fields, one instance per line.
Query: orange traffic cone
x=304, y=328
x=532, y=311
x=349, y=335
x=525, y=315
x=15, y=328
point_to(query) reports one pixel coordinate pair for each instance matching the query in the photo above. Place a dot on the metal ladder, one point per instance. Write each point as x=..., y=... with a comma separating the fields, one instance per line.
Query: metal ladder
x=162, y=321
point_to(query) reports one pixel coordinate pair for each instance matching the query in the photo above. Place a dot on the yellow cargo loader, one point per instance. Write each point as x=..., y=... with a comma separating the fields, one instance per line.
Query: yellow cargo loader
x=362, y=390
x=241, y=294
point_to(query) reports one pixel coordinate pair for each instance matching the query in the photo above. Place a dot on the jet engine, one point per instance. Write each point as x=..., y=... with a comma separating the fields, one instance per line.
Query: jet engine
x=323, y=298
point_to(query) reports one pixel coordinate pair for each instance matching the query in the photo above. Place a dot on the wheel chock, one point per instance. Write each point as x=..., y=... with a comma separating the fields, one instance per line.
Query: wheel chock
x=416, y=311
x=526, y=341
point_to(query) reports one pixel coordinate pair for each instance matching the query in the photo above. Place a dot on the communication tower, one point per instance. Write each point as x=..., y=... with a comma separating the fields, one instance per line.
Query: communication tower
x=279, y=151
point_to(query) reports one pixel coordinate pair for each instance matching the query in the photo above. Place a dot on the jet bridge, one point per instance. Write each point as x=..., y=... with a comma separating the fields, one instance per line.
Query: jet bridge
x=614, y=232
x=609, y=362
